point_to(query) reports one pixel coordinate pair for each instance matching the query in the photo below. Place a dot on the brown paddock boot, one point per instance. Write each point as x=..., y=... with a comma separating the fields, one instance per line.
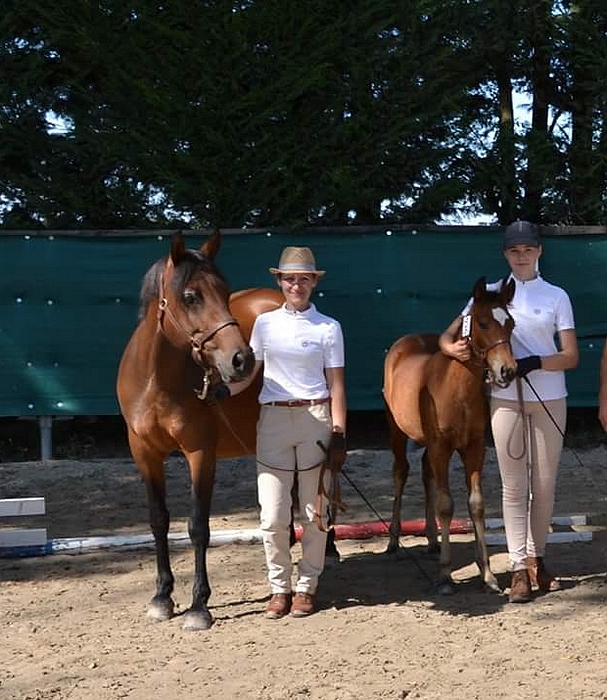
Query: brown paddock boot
x=520, y=587
x=541, y=579
x=303, y=605
x=279, y=606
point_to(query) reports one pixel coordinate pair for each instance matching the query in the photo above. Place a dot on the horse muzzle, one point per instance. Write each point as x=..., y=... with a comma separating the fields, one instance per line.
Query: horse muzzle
x=505, y=377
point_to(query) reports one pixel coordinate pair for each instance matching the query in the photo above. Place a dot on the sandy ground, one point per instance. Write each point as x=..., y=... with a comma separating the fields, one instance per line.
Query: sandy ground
x=74, y=626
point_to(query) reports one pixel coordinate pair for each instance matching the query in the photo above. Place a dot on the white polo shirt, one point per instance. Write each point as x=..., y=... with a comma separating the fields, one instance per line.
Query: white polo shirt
x=296, y=347
x=540, y=310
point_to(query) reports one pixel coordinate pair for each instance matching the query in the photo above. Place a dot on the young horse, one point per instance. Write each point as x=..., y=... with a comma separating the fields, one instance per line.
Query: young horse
x=186, y=340
x=440, y=402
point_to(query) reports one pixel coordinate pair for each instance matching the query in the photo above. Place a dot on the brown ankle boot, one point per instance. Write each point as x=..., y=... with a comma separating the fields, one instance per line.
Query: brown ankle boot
x=540, y=577
x=520, y=587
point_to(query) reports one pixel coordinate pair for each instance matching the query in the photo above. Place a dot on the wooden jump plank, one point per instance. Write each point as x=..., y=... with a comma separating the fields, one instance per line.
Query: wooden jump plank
x=21, y=506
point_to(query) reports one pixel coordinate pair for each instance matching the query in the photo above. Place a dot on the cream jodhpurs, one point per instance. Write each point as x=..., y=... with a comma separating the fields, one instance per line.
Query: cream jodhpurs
x=286, y=441
x=528, y=463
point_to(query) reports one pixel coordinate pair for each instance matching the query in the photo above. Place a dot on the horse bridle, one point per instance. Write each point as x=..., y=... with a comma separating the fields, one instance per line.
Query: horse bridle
x=195, y=341
x=482, y=353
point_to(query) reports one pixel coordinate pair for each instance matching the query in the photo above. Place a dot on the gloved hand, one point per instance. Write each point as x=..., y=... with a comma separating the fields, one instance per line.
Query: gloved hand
x=221, y=392
x=337, y=452
x=528, y=364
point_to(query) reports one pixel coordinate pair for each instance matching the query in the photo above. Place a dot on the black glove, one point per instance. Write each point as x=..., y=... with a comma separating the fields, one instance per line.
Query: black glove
x=221, y=392
x=528, y=364
x=337, y=452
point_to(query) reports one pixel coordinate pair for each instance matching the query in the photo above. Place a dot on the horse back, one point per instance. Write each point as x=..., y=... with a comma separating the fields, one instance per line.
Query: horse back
x=404, y=377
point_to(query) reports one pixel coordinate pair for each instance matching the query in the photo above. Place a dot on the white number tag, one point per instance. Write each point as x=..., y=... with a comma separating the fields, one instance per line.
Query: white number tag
x=466, y=326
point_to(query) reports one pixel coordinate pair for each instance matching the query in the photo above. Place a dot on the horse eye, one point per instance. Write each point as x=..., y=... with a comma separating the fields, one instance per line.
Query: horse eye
x=190, y=297
x=483, y=325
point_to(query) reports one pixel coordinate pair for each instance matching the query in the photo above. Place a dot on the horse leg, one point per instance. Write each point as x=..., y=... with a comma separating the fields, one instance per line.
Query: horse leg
x=151, y=467
x=430, y=505
x=473, y=458
x=400, y=473
x=202, y=468
x=439, y=462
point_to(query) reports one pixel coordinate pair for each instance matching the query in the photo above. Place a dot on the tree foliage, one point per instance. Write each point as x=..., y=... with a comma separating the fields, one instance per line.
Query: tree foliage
x=118, y=114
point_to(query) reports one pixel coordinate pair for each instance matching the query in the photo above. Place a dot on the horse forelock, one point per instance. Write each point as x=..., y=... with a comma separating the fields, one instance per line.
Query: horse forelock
x=494, y=300
x=192, y=263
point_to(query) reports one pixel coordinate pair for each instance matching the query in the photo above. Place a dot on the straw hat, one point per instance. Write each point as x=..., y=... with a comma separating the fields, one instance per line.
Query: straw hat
x=297, y=260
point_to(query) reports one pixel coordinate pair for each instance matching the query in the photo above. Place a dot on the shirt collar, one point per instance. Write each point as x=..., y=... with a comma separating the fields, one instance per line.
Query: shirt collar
x=301, y=314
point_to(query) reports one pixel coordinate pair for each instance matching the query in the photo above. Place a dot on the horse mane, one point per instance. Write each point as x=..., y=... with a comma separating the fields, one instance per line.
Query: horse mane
x=192, y=263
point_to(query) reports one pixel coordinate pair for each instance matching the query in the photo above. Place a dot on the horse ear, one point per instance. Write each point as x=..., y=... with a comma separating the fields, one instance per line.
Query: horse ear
x=507, y=291
x=480, y=289
x=211, y=247
x=177, y=248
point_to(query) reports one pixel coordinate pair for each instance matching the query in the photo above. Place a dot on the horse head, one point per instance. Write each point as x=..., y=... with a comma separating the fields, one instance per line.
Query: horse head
x=193, y=310
x=491, y=328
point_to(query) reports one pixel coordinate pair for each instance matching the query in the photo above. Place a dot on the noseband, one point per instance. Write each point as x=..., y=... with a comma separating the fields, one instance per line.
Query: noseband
x=482, y=353
x=193, y=336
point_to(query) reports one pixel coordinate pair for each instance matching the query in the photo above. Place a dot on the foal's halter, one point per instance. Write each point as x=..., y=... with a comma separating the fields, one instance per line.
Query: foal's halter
x=482, y=352
x=197, y=338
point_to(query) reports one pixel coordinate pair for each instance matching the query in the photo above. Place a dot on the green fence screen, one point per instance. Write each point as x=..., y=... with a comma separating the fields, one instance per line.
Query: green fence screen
x=68, y=302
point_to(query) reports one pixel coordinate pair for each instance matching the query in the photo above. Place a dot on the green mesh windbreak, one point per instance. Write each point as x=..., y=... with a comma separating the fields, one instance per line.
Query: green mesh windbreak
x=68, y=303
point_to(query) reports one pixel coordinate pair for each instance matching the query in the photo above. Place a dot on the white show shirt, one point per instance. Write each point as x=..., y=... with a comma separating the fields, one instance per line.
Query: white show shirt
x=540, y=310
x=296, y=347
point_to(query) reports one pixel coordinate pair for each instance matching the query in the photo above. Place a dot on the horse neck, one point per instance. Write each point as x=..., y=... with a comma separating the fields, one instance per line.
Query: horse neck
x=167, y=364
x=464, y=377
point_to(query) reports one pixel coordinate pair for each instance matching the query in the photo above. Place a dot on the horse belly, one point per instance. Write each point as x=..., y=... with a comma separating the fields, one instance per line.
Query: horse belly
x=404, y=376
x=453, y=411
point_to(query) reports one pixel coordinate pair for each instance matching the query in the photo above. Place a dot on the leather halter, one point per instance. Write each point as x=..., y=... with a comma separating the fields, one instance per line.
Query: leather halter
x=193, y=336
x=196, y=342
x=481, y=353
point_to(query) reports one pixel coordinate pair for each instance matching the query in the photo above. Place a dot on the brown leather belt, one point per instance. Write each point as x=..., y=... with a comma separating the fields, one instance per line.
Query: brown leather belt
x=293, y=403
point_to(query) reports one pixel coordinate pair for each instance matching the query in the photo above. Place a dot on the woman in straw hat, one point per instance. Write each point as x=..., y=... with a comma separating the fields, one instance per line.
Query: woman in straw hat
x=303, y=402
x=528, y=418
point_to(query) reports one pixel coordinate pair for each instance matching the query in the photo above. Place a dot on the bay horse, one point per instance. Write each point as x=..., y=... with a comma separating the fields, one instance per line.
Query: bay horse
x=189, y=337
x=440, y=403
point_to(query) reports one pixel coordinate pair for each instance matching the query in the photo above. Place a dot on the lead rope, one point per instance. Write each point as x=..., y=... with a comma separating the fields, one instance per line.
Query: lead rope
x=556, y=425
x=521, y=405
x=333, y=495
x=386, y=524
x=228, y=425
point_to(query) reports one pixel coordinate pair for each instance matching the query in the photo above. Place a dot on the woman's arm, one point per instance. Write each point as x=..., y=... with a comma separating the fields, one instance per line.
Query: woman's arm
x=337, y=388
x=451, y=344
x=567, y=357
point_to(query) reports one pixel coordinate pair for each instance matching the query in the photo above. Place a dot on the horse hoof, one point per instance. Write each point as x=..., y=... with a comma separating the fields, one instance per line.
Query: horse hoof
x=493, y=585
x=445, y=588
x=161, y=609
x=197, y=620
